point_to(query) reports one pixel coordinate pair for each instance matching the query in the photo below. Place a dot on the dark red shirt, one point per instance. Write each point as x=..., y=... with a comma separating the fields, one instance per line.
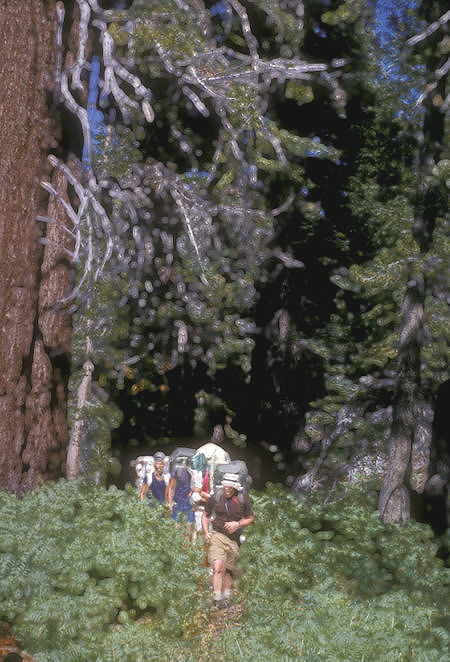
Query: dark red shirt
x=228, y=510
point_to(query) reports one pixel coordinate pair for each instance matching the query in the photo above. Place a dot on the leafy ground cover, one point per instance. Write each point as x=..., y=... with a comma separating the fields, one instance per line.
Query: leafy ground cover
x=333, y=583
x=94, y=574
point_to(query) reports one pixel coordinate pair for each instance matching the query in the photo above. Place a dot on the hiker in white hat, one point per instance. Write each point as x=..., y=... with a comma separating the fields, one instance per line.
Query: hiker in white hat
x=232, y=512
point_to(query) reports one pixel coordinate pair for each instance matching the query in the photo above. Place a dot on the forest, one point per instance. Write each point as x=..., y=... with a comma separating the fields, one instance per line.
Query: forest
x=225, y=221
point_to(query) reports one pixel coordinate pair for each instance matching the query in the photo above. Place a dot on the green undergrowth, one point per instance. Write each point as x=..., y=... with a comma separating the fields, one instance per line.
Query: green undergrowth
x=94, y=574
x=331, y=582
x=89, y=574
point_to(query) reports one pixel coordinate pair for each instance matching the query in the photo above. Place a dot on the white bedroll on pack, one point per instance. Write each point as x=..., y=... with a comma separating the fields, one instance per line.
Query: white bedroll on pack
x=238, y=469
x=144, y=465
x=215, y=456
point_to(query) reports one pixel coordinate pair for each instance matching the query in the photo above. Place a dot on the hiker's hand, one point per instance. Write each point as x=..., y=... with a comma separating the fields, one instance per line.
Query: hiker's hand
x=231, y=527
x=208, y=536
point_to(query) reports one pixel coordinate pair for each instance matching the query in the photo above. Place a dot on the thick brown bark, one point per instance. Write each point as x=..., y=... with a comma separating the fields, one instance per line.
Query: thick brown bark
x=34, y=339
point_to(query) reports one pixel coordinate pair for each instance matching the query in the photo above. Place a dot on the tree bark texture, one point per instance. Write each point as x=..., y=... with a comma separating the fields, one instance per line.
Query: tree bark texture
x=410, y=443
x=34, y=337
x=394, y=501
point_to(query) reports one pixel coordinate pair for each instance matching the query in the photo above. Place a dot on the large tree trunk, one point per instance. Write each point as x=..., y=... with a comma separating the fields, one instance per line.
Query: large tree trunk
x=409, y=445
x=34, y=338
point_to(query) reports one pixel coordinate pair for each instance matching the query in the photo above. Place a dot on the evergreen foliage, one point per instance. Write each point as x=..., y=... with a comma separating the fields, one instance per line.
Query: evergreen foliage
x=232, y=181
x=94, y=574
x=262, y=197
x=369, y=343
x=100, y=334
x=331, y=582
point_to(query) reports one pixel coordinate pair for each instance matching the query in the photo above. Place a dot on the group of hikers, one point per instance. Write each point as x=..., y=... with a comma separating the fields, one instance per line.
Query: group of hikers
x=208, y=490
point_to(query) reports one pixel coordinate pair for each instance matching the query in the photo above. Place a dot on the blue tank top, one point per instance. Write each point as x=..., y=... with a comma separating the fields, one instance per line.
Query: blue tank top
x=157, y=489
x=183, y=487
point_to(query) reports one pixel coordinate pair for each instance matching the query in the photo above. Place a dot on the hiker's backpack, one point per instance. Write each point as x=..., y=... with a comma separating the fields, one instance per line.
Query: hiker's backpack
x=179, y=458
x=215, y=455
x=237, y=467
x=199, y=470
x=144, y=466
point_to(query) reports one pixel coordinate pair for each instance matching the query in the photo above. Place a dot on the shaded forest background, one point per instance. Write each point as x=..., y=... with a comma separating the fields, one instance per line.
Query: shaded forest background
x=244, y=224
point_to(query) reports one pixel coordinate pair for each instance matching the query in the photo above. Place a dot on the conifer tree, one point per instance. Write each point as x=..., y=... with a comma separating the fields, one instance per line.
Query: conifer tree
x=390, y=323
x=228, y=221
x=177, y=223
x=410, y=440
x=34, y=336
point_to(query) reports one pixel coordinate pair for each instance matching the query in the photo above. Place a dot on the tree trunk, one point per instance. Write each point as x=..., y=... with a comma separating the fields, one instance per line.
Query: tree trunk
x=409, y=445
x=34, y=337
x=394, y=502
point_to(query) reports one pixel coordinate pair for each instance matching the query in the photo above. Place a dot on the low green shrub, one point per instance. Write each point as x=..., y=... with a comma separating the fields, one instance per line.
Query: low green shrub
x=89, y=574
x=94, y=574
x=326, y=625
x=331, y=582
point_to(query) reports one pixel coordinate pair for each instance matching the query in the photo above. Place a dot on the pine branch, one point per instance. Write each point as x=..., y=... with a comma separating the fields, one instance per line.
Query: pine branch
x=430, y=29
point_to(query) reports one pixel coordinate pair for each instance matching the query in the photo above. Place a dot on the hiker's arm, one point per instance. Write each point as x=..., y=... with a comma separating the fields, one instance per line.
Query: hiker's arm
x=170, y=489
x=196, y=495
x=206, y=518
x=246, y=521
x=143, y=492
x=232, y=527
x=202, y=496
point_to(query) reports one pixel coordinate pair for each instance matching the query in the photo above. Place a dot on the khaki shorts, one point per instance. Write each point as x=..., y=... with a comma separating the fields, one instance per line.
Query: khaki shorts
x=223, y=549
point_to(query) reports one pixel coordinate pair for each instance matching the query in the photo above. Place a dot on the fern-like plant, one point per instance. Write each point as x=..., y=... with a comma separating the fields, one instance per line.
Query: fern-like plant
x=89, y=574
x=331, y=582
x=94, y=574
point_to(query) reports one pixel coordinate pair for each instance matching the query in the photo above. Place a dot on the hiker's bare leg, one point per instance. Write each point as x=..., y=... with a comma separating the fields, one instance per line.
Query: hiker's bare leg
x=227, y=586
x=218, y=567
x=227, y=581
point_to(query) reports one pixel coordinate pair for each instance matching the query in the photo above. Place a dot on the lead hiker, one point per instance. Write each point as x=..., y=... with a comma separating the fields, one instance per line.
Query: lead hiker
x=232, y=512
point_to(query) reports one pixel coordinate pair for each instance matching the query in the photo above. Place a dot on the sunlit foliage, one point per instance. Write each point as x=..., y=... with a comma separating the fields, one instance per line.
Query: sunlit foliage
x=95, y=575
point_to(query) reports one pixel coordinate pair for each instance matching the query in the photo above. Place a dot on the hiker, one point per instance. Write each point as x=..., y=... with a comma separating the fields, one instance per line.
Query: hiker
x=200, y=490
x=232, y=512
x=155, y=487
x=179, y=492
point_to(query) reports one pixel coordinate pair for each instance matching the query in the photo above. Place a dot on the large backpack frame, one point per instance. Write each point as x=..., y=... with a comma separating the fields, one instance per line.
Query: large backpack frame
x=215, y=455
x=179, y=457
x=237, y=467
x=144, y=466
